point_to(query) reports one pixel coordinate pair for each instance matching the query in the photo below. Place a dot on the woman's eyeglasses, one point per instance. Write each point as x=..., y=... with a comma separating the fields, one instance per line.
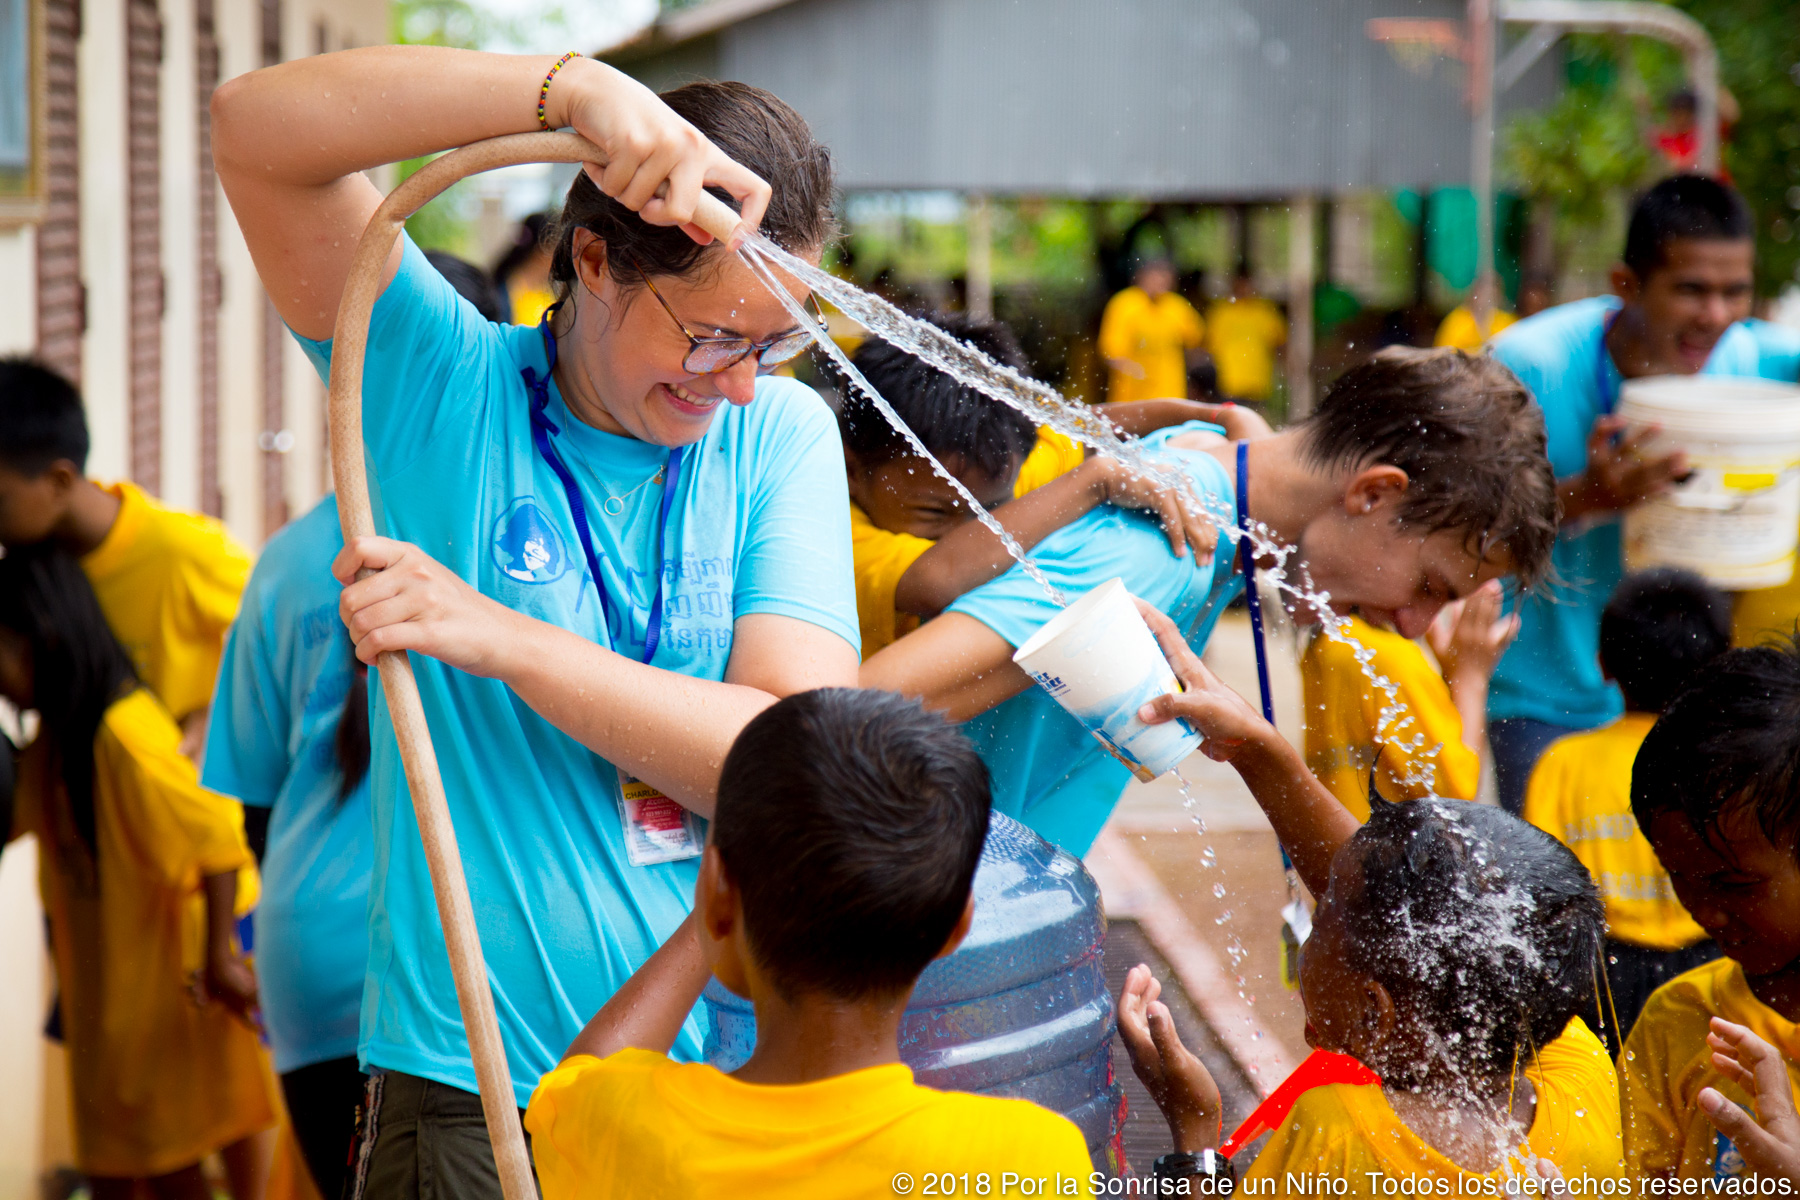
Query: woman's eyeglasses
x=710, y=355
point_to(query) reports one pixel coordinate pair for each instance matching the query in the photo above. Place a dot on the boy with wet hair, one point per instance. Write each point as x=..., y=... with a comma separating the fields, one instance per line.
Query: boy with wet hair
x=1681, y=292
x=1657, y=631
x=842, y=851
x=1716, y=788
x=1421, y=476
x=914, y=540
x=168, y=581
x=1450, y=953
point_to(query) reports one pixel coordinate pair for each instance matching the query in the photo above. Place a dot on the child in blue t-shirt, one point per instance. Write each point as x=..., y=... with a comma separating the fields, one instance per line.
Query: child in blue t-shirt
x=1421, y=476
x=290, y=739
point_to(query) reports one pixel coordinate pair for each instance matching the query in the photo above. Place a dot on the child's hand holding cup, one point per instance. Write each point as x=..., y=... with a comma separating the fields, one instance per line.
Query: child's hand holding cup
x=1099, y=660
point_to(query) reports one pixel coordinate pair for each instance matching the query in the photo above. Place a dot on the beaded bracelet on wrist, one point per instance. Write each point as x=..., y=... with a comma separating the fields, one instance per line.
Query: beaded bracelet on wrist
x=544, y=92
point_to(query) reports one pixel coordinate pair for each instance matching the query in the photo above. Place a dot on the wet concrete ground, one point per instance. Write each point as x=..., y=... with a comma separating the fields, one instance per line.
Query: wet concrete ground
x=1159, y=831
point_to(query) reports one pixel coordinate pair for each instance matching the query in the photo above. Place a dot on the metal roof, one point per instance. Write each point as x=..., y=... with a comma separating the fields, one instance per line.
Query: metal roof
x=1200, y=99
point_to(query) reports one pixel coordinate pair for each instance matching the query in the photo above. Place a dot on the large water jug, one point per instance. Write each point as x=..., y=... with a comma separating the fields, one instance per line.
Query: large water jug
x=1021, y=1009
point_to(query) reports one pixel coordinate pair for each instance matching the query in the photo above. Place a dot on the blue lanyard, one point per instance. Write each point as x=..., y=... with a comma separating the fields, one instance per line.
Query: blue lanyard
x=541, y=430
x=1603, y=384
x=1247, y=554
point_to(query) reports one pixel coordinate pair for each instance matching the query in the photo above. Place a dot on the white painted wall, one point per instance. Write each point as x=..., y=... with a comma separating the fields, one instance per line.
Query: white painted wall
x=18, y=293
x=240, y=318
x=21, y=1020
x=104, y=360
x=180, y=142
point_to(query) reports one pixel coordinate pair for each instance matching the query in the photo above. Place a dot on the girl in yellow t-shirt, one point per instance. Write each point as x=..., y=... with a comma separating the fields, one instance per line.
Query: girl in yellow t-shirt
x=143, y=874
x=1451, y=950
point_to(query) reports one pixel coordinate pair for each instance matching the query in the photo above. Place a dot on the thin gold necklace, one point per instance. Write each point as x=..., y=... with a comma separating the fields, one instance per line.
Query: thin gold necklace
x=616, y=504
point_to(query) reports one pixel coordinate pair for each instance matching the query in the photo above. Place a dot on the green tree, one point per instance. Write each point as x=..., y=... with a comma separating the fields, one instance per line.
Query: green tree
x=1759, y=60
x=1576, y=157
x=443, y=224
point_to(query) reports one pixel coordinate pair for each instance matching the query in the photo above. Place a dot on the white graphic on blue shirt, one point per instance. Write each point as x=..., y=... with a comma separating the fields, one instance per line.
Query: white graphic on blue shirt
x=526, y=545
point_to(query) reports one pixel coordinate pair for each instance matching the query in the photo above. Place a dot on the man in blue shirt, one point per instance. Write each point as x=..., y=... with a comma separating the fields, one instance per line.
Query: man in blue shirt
x=1421, y=476
x=1681, y=291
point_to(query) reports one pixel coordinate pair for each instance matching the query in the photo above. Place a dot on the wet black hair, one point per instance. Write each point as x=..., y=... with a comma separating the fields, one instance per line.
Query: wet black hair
x=41, y=420
x=1469, y=437
x=1731, y=737
x=1659, y=628
x=471, y=283
x=528, y=240
x=350, y=744
x=949, y=417
x=1691, y=207
x=1483, y=928
x=78, y=667
x=852, y=822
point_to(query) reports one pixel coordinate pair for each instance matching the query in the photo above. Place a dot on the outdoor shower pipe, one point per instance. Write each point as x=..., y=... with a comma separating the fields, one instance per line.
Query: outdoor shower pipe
x=1659, y=21
x=349, y=342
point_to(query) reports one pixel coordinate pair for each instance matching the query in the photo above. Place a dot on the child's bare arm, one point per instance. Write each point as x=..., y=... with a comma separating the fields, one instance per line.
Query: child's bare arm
x=226, y=977
x=1135, y=418
x=290, y=143
x=955, y=664
x=1308, y=819
x=972, y=554
x=1771, y=1146
x=1179, y=1082
x=647, y=1012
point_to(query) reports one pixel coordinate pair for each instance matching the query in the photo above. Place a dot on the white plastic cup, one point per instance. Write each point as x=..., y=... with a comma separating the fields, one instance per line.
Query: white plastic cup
x=1100, y=661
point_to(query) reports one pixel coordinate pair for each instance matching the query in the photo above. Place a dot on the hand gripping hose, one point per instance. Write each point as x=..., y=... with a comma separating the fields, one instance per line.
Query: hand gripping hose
x=349, y=343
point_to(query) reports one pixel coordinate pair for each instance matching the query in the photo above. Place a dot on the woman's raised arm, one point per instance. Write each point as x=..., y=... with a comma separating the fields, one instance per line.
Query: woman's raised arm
x=290, y=143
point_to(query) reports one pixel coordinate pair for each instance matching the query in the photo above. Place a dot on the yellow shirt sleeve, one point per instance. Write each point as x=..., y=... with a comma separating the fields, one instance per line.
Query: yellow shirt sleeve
x=1343, y=711
x=879, y=558
x=1054, y=455
x=1659, y=1050
x=1275, y=326
x=1193, y=325
x=169, y=583
x=177, y=831
x=569, y=1120
x=1119, y=324
x=1580, y=794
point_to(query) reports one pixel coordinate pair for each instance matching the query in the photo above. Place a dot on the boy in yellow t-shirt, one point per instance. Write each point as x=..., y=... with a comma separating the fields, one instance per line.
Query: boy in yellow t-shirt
x=841, y=854
x=1713, y=788
x=1451, y=949
x=1441, y=722
x=914, y=543
x=1659, y=628
x=168, y=581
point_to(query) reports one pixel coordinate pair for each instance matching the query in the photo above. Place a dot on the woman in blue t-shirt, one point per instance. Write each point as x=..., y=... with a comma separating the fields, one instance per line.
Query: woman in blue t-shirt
x=603, y=555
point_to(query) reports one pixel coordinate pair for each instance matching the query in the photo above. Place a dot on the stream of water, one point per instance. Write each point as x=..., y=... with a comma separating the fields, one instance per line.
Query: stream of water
x=1395, y=726
x=1076, y=420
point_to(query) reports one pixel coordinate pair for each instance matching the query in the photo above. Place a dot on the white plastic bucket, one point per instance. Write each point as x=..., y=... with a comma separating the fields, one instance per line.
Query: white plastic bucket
x=1100, y=661
x=1736, y=520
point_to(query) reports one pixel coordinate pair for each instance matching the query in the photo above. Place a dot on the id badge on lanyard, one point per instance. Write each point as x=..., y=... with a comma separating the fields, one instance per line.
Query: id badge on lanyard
x=657, y=829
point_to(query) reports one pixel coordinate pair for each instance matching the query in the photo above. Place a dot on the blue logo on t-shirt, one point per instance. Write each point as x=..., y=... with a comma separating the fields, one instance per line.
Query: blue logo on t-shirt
x=526, y=544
